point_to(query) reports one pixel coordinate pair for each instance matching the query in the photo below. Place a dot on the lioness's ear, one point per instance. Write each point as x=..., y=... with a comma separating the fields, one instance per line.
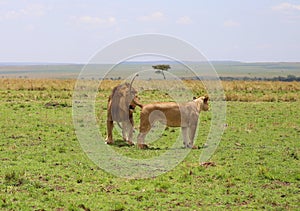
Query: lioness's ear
x=206, y=98
x=194, y=98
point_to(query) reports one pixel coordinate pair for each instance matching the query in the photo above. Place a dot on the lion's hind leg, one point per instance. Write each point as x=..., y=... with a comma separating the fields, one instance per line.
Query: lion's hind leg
x=127, y=132
x=109, y=138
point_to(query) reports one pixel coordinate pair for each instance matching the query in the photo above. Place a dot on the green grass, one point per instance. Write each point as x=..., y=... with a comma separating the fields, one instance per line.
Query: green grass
x=44, y=168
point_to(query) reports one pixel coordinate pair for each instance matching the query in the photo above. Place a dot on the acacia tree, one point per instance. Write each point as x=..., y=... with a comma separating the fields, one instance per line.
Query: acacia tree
x=161, y=68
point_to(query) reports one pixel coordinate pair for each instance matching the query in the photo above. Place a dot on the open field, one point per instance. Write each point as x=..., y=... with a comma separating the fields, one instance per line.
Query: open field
x=224, y=69
x=256, y=165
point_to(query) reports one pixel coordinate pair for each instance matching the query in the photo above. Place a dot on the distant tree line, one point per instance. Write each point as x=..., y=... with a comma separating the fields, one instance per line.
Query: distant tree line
x=288, y=78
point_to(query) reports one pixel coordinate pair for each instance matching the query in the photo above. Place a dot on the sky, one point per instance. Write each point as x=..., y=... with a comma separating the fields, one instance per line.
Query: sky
x=73, y=31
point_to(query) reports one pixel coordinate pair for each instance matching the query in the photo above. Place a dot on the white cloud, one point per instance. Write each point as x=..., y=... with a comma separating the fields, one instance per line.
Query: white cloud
x=286, y=7
x=34, y=10
x=31, y=10
x=156, y=16
x=185, y=20
x=93, y=20
x=231, y=23
x=290, y=12
x=9, y=15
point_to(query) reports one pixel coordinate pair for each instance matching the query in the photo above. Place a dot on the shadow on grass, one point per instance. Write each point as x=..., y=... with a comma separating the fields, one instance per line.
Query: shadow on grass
x=177, y=148
x=121, y=143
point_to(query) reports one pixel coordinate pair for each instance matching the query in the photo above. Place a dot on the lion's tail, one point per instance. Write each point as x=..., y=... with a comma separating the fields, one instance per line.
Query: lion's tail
x=131, y=82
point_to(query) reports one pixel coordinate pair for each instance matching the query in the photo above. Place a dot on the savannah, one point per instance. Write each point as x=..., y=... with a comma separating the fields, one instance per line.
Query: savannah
x=255, y=167
x=60, y=61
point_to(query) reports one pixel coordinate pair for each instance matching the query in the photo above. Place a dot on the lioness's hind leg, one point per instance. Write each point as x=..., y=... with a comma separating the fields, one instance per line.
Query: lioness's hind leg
x=140, y=141
x=145, y=127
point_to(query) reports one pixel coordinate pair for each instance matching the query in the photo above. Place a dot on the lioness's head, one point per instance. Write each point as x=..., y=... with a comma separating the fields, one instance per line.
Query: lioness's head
x=202, y=103
x=135, y=102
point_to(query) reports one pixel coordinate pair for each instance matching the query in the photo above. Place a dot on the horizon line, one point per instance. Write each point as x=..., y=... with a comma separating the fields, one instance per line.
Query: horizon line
x=139, y=61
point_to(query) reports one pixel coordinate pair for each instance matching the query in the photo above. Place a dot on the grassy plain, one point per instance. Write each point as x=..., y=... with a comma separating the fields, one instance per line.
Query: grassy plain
x=256, y=165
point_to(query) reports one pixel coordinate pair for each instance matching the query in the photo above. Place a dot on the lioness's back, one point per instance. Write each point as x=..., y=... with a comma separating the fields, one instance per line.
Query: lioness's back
x=160, y=106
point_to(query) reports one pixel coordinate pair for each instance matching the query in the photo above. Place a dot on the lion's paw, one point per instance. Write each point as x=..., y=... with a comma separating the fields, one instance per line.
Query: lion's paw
x=130, y=143
x=143, y=146
x=109, y=142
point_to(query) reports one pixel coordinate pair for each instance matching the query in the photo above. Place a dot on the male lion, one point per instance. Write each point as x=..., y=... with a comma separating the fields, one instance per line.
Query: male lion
x=121, y=104
x=172, y=114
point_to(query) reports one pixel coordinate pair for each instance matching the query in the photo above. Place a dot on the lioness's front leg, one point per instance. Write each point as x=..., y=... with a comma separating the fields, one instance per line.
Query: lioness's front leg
x=192, y=131
x=185, y=138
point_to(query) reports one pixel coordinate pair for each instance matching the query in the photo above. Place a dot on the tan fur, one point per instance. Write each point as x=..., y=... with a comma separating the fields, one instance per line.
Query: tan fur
x=120, y=107
x=184, y=115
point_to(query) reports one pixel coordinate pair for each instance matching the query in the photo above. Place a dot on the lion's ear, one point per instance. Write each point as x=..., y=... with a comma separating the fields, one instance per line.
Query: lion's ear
x=194, y=98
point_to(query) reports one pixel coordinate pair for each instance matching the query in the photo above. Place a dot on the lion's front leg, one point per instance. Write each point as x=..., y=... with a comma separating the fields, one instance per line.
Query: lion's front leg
x=124, y=130
x=130, y=129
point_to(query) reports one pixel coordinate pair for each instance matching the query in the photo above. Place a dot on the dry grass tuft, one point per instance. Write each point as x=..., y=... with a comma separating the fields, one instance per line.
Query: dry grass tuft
x=245, y=91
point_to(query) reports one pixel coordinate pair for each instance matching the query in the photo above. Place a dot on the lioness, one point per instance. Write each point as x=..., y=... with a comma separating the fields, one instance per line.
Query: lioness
x=172, y=114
